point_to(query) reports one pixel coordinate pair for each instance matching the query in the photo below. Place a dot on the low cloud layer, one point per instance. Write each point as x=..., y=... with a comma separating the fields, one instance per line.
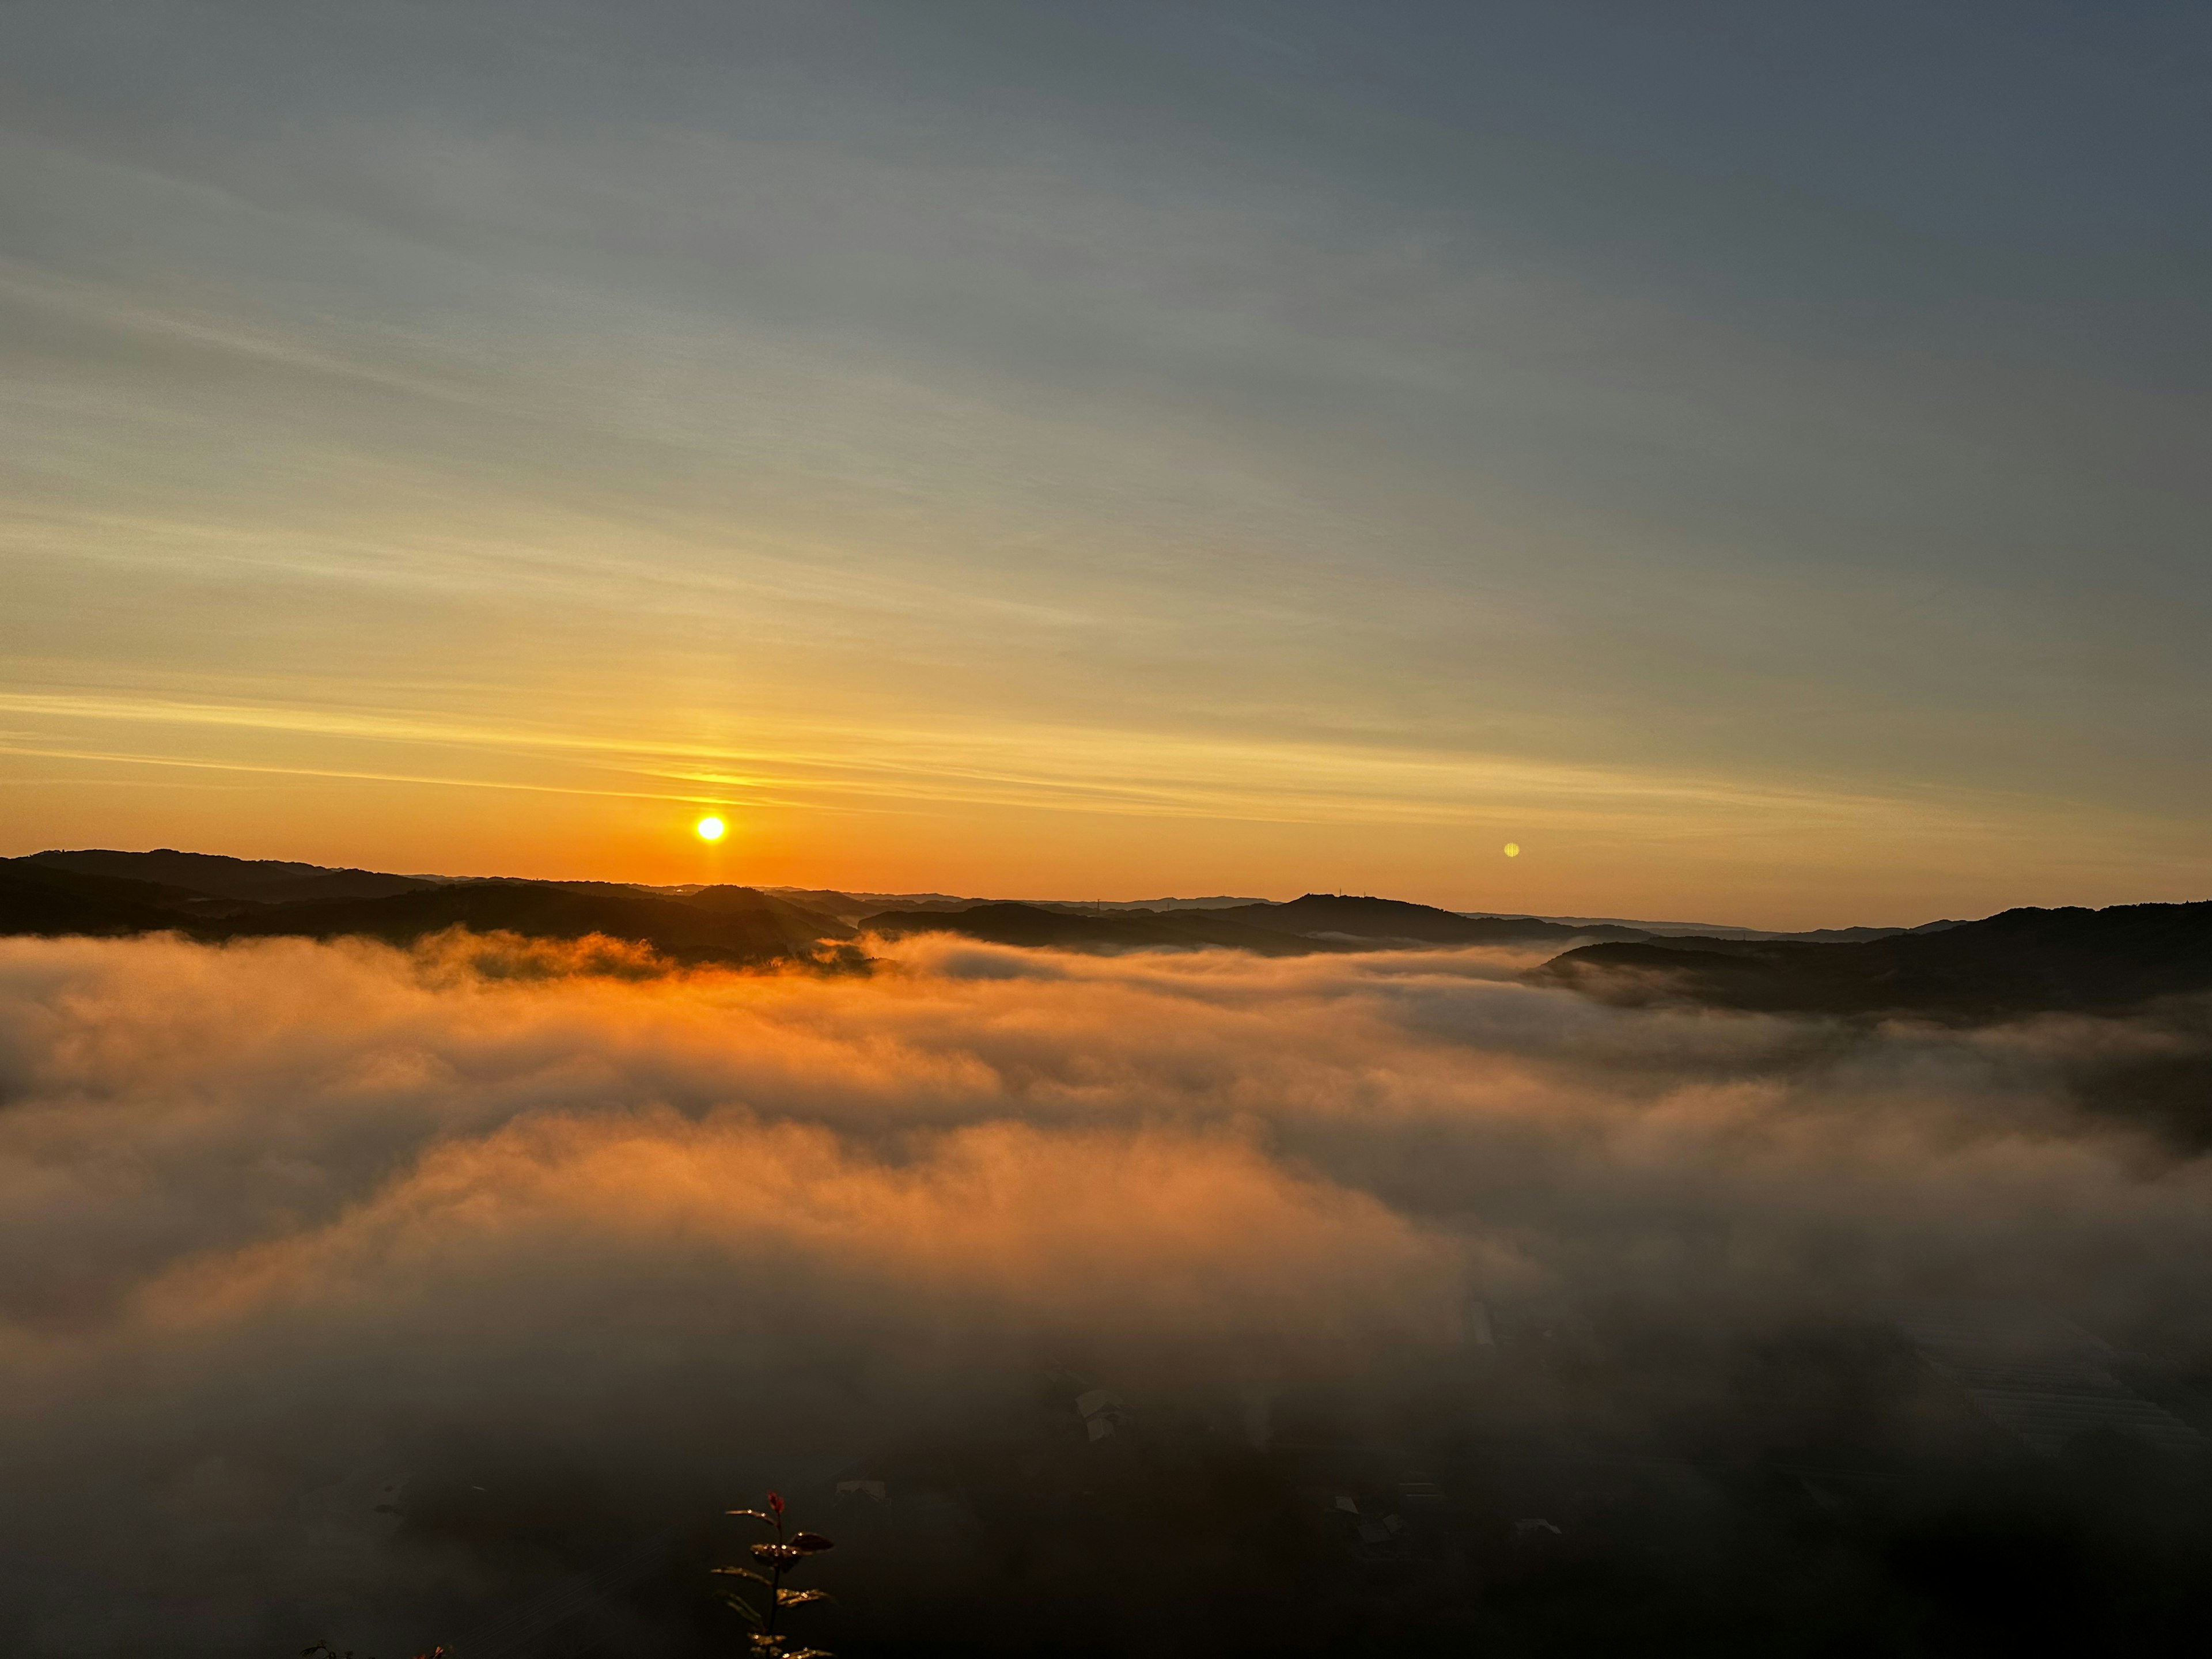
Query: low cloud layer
x=288, y=1229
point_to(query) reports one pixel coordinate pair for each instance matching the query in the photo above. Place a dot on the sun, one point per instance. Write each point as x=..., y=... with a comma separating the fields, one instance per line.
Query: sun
x=1512, y=848
x=710, y=828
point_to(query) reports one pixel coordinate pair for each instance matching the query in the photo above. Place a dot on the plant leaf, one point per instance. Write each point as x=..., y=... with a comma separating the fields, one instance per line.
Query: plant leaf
x=791, y=1598
x=744, y=1572
x=810, y=1543
x=761, y=1516
x=753, y=1615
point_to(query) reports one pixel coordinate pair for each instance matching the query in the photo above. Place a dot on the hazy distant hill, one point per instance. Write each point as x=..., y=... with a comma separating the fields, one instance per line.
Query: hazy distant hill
x=1585, y=924
x=854, y=907
x=1316, y=922
x=1322, y=914
x=1360, y=918
x=2019, y=962
x=1215, y=901
x=1036, y=927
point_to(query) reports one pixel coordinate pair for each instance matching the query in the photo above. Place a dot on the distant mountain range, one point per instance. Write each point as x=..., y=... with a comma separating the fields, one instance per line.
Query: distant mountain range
x=1318, y=921
x=852, y=907
x=2020, y=962
x=211, y=897
x=1721, y=930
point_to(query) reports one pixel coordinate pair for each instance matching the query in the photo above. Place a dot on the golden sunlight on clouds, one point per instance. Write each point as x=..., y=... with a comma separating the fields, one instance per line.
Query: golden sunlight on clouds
x=489, y=1192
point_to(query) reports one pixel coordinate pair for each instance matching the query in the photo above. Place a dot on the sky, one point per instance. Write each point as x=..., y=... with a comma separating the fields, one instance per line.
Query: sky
x=1750, y=456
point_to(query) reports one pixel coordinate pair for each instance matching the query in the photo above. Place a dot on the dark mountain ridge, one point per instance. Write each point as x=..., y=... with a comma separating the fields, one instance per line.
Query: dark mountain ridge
x=39, y=898
x=1718, y=930
x=1315, y=922
x=262, y=881
x=2018, y=962
x=2021, y=962
x=720, y=924
x=1036, y=927
x=738, y=925
x=1369, y=918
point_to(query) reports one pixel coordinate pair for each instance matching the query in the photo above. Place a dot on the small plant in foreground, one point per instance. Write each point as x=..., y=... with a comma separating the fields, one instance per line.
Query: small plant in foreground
x=778, y=1558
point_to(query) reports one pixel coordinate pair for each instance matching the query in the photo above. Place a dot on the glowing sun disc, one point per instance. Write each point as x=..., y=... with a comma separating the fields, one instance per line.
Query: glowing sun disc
x=1512, y=849
x=710, y=828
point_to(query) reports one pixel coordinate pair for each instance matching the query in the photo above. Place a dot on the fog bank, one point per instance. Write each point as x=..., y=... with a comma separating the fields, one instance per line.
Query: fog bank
x=293, y=1230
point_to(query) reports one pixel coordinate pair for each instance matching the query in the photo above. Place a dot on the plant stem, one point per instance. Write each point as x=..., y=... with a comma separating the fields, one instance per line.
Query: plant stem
x=775, y=1578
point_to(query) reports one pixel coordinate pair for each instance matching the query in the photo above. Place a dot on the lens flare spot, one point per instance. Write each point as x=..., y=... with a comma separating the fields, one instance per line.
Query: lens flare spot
x=1512, y=849
x=711, y=829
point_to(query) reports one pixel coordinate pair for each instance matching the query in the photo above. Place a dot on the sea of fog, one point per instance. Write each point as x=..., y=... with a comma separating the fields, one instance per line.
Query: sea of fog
x=1159, y=1304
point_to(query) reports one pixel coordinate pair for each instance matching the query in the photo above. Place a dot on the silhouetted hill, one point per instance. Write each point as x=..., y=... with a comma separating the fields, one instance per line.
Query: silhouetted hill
x=850, y=905
x=1317, y=923
x=1095, y=907
x=2020, y=962
x=1036, y=926
x=739, y=925
x=44, y=894
x=1663, y=931
x=2023, y=961
x=261, y=881
x=1341, y=914
x=36, y=898
x=797, y=920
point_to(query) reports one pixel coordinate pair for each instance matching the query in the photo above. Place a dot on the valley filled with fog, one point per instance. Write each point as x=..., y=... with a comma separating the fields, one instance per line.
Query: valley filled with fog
x=1173, y=1302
